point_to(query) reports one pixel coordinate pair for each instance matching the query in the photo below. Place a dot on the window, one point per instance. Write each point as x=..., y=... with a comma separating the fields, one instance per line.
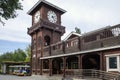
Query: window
x=47, y=40
x=116, y=31
x=112, y=62
x=74, y=43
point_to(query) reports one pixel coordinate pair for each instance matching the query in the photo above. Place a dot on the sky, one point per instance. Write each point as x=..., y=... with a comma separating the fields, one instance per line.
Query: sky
x=87, y=15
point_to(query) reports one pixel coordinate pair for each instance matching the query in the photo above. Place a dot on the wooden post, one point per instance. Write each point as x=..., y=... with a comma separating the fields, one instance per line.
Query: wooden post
x=101, y=61
x=41, y=66
x=64, y=47
x=79, y=61
x=64, y=66
x=81, y=56
x=50, y=67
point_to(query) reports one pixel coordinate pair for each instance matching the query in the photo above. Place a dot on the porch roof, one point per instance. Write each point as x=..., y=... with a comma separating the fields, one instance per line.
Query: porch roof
x=82, y=52
x=18, y=66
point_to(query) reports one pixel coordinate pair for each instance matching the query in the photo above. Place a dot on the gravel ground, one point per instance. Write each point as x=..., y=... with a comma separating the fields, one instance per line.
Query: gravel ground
x=36, y=77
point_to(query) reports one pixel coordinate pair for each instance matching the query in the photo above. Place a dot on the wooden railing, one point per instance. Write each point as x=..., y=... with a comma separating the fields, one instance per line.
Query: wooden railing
x=91, y=73
x=46, y=24
x=111, y=38
x=75, y=45
x=62, y=47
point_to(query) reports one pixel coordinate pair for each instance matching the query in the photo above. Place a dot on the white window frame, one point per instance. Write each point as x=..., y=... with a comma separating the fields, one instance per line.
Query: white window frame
x=118, y=62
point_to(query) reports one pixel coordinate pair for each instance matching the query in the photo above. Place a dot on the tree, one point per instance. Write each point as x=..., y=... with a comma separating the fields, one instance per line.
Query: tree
x=8, y=9
x=77, y=30
x=28, y=54
x=19, y=55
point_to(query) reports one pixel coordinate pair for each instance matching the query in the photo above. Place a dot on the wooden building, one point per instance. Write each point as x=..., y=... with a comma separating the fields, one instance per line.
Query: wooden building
x=98, y=49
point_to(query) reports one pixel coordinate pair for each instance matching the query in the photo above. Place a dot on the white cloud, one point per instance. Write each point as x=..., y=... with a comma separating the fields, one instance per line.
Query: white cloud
x=85, y=14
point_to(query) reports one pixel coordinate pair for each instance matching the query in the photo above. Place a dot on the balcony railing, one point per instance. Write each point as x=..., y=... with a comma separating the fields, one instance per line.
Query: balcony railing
x=101, y=43
x=57, y=49
x=46, y=51
x=41, y=23
x=78, y=44
x=73, y=45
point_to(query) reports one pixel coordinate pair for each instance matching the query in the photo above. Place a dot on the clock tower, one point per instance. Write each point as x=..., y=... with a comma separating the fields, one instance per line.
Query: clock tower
x=46, y=29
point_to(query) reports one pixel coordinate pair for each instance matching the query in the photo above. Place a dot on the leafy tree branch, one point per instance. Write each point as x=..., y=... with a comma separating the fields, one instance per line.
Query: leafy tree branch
x=8, y=9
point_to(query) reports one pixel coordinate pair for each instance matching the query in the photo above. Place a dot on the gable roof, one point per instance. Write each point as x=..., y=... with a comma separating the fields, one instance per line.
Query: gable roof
x=47, y=3
x=72, y=33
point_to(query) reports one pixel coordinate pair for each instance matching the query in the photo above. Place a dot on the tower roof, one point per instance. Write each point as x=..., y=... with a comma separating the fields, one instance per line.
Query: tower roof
x=41, y=2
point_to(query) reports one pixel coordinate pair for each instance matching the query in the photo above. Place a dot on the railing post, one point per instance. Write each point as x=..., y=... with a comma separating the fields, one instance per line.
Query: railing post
x=50, y=50
x=79, y=43
x=64, y=47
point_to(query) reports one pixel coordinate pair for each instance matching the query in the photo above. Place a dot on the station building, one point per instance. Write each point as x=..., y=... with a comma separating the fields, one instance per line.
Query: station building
x=98, y=49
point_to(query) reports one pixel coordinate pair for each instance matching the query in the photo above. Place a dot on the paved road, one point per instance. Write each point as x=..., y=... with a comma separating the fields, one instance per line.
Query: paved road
x=35, y=77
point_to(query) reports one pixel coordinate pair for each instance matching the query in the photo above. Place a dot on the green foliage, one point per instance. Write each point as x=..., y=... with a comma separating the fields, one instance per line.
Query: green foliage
x=77, y=30
x=8, y=9
x=17, y=55
x=28, y=53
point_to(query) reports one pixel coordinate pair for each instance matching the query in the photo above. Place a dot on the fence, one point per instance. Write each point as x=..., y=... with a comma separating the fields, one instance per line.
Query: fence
x=91, y=73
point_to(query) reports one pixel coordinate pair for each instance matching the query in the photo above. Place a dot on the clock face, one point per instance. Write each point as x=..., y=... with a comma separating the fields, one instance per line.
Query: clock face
x=52, y=17
x=37, y=17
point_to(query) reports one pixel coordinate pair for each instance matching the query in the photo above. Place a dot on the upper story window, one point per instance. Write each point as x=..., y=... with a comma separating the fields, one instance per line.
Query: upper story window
x=74, y=43
x=116, y=31
x=47, y=40
x=68, y=44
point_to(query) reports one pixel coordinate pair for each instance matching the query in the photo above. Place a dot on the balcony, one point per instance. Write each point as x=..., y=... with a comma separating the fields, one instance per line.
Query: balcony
x=62, y=47
x=110, y=37
x=46, y=24
x=107, y=42
x=74, y=45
